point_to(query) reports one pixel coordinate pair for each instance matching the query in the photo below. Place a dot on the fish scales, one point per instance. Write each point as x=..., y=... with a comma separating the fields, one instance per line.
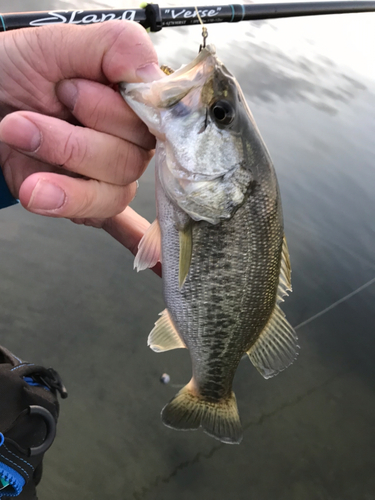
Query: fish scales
x=208, y=314
x=225, y=259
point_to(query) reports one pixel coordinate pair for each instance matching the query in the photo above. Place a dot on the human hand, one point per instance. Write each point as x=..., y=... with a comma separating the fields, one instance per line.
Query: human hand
x=57, y=168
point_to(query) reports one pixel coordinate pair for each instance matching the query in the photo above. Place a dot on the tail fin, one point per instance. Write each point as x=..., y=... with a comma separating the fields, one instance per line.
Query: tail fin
x=188, y=411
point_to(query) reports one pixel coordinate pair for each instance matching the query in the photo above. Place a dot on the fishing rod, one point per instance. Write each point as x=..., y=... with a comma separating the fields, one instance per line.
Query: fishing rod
x=155, y=18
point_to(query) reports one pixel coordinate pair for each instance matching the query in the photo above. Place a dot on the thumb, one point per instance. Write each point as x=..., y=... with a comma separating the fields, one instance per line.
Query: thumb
x=38, y=58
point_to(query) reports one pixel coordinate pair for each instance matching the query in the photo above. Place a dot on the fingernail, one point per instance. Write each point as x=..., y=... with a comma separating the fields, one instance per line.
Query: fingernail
x=150, y=72
x=46, y=197
x=67, y=93
x=25, y=134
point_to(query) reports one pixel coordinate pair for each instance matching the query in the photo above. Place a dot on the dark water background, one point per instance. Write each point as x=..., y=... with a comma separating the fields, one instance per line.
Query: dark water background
x=70, y=299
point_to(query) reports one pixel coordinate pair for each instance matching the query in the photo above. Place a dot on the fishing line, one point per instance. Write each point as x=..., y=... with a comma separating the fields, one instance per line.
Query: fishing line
x=332, y=306
x=204, y=30
x=167, y=379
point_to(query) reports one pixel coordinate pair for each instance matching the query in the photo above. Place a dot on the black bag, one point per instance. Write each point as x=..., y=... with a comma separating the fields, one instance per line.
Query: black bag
x=29, y=411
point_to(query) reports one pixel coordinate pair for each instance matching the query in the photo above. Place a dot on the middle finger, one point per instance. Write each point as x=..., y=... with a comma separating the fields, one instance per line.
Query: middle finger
x=99, y=107
x=80, y=150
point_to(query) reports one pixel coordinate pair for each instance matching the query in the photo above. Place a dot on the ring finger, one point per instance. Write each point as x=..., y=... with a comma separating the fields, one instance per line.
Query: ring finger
x=48, y=193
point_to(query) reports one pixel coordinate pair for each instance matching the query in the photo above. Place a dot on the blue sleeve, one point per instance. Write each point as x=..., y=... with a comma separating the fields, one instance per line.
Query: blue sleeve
x=6, y=198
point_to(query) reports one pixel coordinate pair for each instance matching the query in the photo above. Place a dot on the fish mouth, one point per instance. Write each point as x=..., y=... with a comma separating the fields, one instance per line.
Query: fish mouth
x=173, y=91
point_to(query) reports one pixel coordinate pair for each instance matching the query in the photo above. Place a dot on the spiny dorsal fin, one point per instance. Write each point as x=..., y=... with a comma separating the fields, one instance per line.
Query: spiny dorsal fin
x=285, y=283
x=164, y=336
x=149, y=248
x=276, y=347
x=186, y=248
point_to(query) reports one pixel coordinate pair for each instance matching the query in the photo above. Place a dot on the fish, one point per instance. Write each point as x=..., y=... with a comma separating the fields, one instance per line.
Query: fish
x=219, y=234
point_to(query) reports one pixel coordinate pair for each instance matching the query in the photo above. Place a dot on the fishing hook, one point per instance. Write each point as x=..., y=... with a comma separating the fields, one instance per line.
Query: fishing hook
x=204, y=30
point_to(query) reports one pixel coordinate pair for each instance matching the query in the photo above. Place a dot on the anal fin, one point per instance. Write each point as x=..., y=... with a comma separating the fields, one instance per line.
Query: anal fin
x=164, y=336
x=276, y=347
x=149, y=248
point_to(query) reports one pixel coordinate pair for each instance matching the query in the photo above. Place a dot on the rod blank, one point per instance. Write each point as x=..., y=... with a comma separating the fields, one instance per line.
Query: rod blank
x=156, y=18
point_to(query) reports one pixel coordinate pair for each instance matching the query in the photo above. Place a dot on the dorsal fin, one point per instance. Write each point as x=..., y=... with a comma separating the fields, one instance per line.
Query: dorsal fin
x=285, y=283
x=164, y=336
x=276, y=347
x=149, y=248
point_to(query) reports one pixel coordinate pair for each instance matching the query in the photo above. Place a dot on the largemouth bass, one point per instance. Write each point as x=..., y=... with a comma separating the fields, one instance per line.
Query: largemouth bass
x=224, y=255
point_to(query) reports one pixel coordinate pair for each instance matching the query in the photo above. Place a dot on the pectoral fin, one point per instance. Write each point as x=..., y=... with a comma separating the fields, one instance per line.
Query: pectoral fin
x=186, y=248
x=276, y=347
x=149, y=248
x=164, y=336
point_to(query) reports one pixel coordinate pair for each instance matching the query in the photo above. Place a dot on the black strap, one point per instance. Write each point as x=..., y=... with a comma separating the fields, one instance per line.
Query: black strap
x=29, y=410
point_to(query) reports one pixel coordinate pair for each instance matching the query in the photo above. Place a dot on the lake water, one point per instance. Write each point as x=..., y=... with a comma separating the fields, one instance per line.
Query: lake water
x=70, y=299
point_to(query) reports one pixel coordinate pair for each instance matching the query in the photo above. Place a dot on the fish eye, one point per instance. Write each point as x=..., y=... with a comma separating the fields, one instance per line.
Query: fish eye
x=223, y=112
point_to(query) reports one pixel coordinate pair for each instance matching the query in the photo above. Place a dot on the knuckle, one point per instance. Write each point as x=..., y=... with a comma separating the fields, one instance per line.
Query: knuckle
x=131, y=164
x=124, y=32
x=82, y=207
x=74, y=152
x=127, y=47
x=121, y=198
x=127, y=196
x=87, y=201
x=98, y=200
x=98, y=113
x=122, y=164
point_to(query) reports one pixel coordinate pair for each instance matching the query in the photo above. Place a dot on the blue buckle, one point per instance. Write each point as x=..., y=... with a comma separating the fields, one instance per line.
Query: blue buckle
x=11, y=483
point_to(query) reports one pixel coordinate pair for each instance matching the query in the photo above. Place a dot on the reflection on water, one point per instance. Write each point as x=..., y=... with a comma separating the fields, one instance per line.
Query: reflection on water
x=70, y=299
x=273, y=74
